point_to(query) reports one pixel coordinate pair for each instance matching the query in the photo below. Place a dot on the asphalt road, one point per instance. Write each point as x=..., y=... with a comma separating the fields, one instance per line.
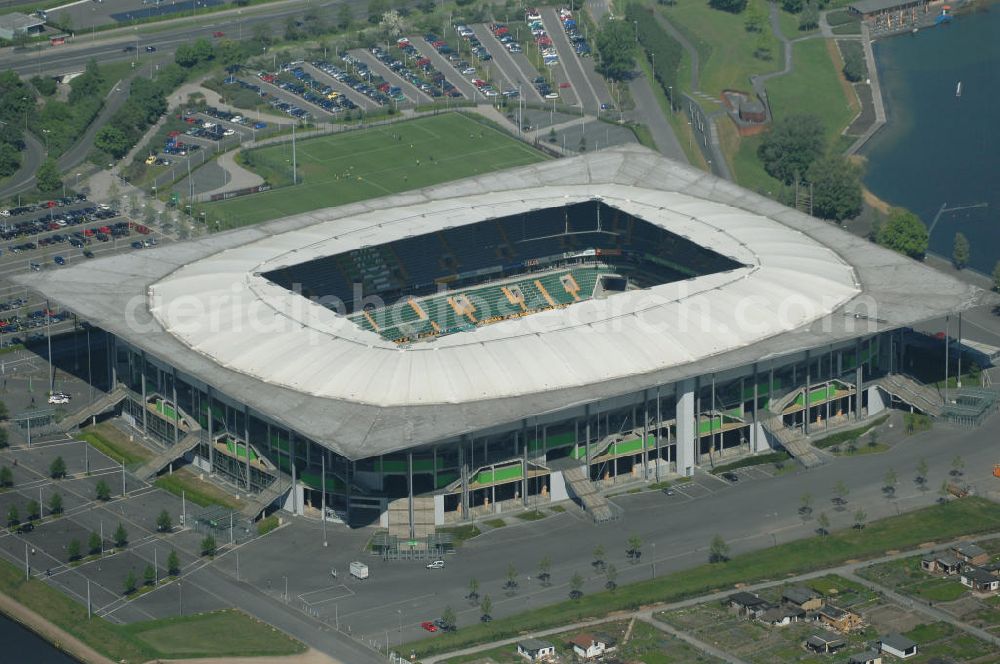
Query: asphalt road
x=31, y=159
x=165, y=36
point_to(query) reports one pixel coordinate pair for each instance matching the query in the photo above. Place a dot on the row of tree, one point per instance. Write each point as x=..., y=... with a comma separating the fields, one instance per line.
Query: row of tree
x=17, y=101
x=666, y=50
x=147, y=101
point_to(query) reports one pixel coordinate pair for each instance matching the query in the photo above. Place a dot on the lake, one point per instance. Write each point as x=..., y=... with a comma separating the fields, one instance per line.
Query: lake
x=22, y=646
x=939, y=148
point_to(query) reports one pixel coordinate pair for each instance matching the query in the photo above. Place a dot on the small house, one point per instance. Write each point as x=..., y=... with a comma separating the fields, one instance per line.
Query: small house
x=980, y=580
x=945, y=563
x=588, y=646
x=971, y=553
x=839, y=619
x=825, y=642
x=785, y=614
x=898, y=646
x=866, y=657
x=748, y=605
x=536, y=650
x=802, y=597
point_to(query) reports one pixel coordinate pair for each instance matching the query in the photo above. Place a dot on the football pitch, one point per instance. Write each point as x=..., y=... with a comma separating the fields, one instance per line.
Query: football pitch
x=344, y=168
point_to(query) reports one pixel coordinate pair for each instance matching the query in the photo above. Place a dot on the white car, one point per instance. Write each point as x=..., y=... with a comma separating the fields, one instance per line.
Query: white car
x=437, y=564
x=58, y=398
x=229, y=132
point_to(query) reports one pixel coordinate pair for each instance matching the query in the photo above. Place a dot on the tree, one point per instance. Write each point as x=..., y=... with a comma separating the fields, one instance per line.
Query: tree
x=823, y=523
x=762, y=46
x=576, y=586
x=840, y=492
x=208, y=546
x=102, y=491
x=4, y=440
x=755, y=18
x=873, y=438
x=149, y=575
x=792, y=6
x=6, y=477
x=615, y=44
x=112, y=140
x=996, y=276
x=889, y=483
x=163, y=522
x=855, y=68
x=32, y=510
x=943, y=492
x=545, y=570
x=120, y=536
x=173, y=564
x=960, y=251
x=731, y=6
x=860, y=517
x=57, y=469
x=805, y=503
x=73, y=550
x=94, y=544
x=511, y=582
x=599, y=556
x=344, y=16
x=836, y=188
x=957, y=466
x=375, y=10
x=485, y=608
x=634, y=550
x=791, y=147
x=448, y=619
x=4, y=413
x=921, y=478
x=47, y=178
x=473, y=589
x=46, y=85
x=13, y=516
x=130, y=583
x=611, y=574
x=55, y=503
x=809, y=18
x=718, y=550
x=904, y=232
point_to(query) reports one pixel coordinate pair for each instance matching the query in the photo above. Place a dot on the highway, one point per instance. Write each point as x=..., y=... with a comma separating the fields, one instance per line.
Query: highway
x=166, y=36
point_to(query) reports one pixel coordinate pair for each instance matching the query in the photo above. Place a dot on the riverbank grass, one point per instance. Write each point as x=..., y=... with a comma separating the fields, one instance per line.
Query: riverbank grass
x=228, y=633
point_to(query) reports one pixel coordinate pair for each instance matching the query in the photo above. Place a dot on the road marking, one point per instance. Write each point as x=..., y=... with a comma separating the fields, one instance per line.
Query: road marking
x=323, y=600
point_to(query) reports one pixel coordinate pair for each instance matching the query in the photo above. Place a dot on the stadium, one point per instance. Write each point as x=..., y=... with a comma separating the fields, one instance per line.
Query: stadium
x=504, y=341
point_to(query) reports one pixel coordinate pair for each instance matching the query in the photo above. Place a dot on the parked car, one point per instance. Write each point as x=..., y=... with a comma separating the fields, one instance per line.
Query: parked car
x=437, y=564
x=429, y=626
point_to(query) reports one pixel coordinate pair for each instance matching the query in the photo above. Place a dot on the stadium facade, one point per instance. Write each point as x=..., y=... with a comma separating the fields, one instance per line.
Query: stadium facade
x=503, y=341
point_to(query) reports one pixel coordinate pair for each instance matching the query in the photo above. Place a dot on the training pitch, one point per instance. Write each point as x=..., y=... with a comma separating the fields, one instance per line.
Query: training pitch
x=344, y=168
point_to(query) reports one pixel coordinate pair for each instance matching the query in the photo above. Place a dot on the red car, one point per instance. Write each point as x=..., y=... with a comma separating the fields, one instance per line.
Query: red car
x=429, y=626
x=218, y=34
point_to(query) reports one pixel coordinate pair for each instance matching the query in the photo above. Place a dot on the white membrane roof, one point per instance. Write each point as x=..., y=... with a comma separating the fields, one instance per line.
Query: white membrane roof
x=204, y=306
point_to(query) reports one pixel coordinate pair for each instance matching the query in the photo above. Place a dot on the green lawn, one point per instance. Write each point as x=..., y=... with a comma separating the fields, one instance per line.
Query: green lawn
x=228, y=633
x=966, y=516
x=814, y=87
x=197, y=491
x=113, y=443
x=724, y=47
x=358, y=165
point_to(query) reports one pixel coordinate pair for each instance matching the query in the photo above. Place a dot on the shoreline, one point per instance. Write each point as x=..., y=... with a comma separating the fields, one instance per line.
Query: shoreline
x=50, y=632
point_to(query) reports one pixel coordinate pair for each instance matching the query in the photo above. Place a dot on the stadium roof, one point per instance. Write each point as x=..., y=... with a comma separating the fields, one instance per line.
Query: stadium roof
x=204, y=307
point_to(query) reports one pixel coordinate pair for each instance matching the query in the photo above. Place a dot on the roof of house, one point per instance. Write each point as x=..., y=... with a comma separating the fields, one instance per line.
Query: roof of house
x=798, y=594
x=585, y=640
x=979, y=574
x=746, y=599
x=869, y=6
x=778, y=613
x=948, y=559
x=832, y=612
x=969, y=549
x=533, y=644
x=863, y=657
x=897, y=642
x=824, y=639
x=15, y=21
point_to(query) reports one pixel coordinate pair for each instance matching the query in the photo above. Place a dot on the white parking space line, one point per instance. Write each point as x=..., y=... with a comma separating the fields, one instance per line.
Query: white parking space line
x=318, y=597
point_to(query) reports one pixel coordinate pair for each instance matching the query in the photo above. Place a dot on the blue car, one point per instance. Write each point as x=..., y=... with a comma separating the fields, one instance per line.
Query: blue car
x=59, y=260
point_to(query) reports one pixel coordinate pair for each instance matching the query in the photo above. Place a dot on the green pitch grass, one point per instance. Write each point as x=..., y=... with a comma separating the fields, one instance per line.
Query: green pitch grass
x=344, y=168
